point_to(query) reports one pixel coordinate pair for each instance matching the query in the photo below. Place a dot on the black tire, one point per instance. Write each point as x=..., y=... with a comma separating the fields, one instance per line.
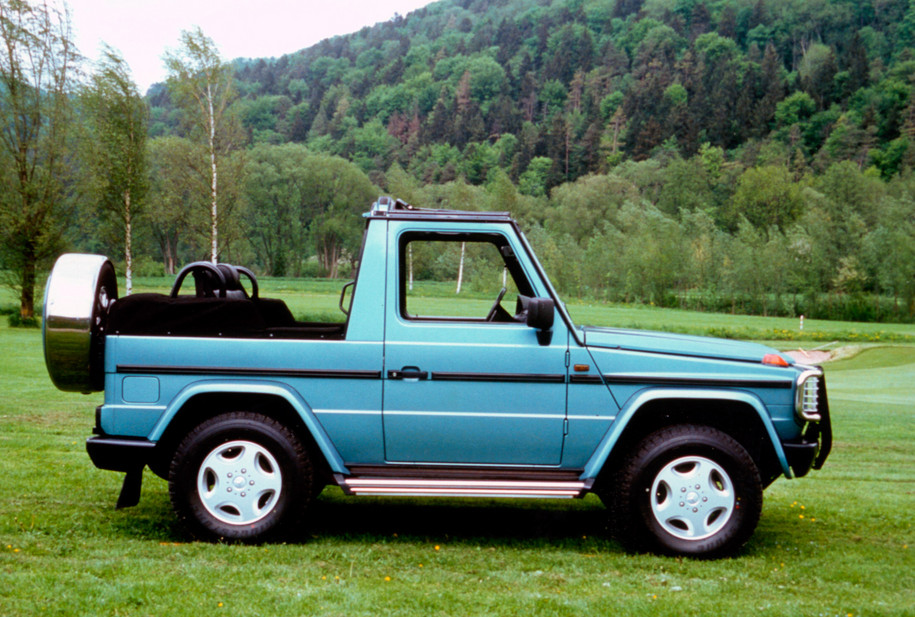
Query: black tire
x=240, y=477
x=686, y=490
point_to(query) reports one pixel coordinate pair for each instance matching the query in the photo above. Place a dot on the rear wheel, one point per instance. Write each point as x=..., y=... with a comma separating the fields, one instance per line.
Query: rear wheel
x=241, y=477
x=686, y=490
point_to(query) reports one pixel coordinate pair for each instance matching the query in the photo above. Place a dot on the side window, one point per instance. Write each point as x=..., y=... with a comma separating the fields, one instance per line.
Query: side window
x=465, y=277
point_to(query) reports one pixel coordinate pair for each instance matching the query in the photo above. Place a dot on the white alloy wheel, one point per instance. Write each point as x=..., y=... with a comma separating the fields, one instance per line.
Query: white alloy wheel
x=692, y=498
x=239, y=482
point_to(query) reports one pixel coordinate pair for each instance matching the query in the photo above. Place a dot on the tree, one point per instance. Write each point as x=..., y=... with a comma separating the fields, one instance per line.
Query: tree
x=276, y=191
x=177, y=190
x=817, y=71
x=119, y=118
x=37, y=64
x=201, y=84
x=766, y=196
x=336, y=193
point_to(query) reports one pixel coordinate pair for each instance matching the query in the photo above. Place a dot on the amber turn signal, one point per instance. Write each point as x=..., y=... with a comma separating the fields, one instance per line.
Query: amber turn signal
x=774, y=359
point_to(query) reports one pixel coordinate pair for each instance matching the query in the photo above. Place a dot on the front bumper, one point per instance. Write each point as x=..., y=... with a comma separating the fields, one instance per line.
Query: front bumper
x=814, y=446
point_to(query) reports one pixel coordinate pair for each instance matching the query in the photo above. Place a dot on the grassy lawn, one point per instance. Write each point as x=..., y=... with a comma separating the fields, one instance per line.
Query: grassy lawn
x=838, y=542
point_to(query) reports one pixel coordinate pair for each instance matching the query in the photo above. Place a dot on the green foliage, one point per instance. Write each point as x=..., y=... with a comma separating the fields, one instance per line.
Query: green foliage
x=534, y=179
x=766, y=196
x=16, y=320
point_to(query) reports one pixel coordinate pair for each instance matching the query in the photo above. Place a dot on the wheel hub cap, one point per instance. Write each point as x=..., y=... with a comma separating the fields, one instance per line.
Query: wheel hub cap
x=692, y=498
x=239, y=482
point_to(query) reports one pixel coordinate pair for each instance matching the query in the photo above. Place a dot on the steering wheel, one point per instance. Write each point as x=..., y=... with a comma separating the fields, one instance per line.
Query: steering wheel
x=205, y=268
x=491, y=315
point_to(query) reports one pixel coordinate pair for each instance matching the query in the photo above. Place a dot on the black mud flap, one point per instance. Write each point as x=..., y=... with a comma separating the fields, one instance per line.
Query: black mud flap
x=130, y=490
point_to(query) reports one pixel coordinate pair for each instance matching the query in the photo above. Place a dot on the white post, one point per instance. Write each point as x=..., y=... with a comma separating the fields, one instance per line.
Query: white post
x=460, y=270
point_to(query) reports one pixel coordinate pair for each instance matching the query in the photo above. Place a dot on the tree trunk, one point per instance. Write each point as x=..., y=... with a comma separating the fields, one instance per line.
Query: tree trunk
x=27, y=295
x=213, y=177
x=410, y=264
x=128, y=245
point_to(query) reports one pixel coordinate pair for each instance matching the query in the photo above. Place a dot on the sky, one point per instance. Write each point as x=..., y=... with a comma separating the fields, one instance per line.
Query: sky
x=143, y=30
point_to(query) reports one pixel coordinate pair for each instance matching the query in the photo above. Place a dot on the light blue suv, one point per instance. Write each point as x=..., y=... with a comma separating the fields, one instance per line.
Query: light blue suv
x=249, y=413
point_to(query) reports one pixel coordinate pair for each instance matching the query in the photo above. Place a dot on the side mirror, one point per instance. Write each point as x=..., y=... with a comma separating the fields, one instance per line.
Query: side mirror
x=540, y=313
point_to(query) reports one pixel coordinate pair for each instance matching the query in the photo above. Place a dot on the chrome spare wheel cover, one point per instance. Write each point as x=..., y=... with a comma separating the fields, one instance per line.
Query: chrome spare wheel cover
x=692, y=498
x=239, y=482
x=79, y=292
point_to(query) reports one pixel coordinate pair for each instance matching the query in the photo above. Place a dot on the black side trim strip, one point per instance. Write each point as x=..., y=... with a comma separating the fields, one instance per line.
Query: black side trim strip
x=654, y=380
x=245, y=372
x=507, y=377
x=586, y=379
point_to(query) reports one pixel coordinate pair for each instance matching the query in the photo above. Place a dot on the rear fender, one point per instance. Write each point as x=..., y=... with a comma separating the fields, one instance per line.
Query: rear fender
x=266, y=389
x=638, y=402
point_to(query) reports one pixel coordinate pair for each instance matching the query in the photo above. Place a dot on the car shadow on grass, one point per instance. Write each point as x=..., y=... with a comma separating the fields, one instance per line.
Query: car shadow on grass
x=492, y=521
x=522, y=523
x=335, y=516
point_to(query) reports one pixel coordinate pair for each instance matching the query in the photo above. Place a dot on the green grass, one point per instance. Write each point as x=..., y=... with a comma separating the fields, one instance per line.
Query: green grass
x=838, y=542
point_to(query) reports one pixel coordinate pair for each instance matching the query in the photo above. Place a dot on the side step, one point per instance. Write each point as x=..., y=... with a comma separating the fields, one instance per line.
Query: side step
x=462, y=486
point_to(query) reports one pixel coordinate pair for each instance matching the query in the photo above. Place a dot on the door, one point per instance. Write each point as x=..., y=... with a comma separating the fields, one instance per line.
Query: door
x=466, y=380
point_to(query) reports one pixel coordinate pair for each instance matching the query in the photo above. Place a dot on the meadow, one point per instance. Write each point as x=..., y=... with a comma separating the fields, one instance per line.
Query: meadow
x=835, y=543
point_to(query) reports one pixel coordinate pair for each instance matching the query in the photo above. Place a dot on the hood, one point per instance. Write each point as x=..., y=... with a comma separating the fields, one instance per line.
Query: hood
x=676, y=344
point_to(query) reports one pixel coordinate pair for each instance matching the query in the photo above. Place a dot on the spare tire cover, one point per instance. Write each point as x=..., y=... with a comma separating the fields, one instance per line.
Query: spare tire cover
x=79, y=292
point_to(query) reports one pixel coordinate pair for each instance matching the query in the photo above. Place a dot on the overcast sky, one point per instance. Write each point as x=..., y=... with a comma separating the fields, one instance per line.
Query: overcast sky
x=142, y=30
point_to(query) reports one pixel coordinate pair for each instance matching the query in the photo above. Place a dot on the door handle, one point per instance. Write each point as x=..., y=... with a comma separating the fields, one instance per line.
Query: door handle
x=408, y=372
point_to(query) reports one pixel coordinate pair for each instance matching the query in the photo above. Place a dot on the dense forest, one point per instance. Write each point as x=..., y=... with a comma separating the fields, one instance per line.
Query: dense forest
x=745, y=155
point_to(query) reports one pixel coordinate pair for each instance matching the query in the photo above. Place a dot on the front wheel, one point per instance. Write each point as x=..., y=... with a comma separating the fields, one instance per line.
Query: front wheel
x=686, y=490
x=240, y=477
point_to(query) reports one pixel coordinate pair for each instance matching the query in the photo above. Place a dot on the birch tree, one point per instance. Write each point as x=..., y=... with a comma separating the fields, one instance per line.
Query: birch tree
x=119, y=118
x=201, y=84
x=37, y=69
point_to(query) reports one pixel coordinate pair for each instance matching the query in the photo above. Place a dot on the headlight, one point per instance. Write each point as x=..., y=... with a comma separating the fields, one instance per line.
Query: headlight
x=808, y=395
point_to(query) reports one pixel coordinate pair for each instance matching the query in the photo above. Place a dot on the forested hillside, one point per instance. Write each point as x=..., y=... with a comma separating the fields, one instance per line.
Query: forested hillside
x=745, y=155
x=588, y=83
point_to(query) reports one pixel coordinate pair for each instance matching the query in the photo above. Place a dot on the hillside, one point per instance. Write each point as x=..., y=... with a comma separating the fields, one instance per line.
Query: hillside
x=461, y=87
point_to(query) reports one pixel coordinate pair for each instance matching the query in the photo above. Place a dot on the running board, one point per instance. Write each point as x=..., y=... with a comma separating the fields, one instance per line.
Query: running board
x=426, y=487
